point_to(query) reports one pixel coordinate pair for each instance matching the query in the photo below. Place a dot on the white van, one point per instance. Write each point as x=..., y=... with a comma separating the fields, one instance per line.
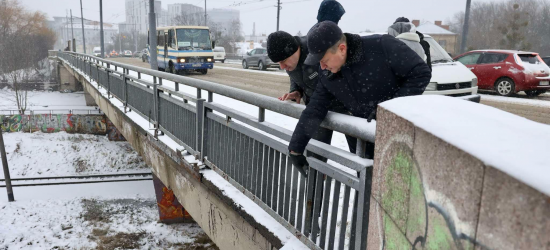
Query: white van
x=449, y=77
x=97, y=51
x=219, y=54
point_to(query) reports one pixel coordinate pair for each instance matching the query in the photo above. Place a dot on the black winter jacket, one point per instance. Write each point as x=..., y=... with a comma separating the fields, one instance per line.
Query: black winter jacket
x=304, y=78
x=378, y=68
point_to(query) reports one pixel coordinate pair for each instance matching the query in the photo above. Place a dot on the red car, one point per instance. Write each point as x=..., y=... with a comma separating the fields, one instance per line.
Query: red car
x=507, y=71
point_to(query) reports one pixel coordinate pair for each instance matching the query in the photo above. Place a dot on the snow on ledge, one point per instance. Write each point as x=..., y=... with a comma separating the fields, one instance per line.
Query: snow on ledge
x=512, y=144
x=253, y=210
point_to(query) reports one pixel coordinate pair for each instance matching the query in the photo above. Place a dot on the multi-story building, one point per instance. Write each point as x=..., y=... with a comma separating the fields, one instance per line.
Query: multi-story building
x=178, y=9
x=64, y=31
x=137, y=15
x=223, y=17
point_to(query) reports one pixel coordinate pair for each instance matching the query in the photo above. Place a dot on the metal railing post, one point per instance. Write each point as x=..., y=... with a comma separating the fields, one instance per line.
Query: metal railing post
x=108, y=86
x=261, y=115
x=202, y=131
x=156, y=106
x=360, y=218
x=199, y=93
x=125, y=92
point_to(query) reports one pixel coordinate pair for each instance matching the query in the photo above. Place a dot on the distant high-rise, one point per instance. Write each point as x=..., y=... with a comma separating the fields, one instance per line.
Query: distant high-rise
x=137, y=15
x=178, y=9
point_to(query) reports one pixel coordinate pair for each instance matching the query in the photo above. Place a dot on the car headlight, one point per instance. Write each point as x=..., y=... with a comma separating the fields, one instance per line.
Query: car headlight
x=474, y=82
x=209, y=59
x=432, y=86
x=182, y=60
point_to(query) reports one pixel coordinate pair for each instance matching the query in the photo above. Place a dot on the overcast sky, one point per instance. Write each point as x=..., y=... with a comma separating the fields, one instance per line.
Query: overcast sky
x=296, y=15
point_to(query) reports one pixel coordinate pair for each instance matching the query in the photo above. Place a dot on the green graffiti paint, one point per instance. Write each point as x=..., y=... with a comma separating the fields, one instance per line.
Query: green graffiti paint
x=395, y=198
x=416, y=223
x=394, y=239
x=439, y=236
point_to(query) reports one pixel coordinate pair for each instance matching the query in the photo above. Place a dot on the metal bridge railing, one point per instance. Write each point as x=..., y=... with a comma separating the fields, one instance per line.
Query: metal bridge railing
x=325, y=210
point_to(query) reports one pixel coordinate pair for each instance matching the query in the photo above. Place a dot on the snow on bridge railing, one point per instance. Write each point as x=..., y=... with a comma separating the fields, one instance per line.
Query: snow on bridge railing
x=257, y=160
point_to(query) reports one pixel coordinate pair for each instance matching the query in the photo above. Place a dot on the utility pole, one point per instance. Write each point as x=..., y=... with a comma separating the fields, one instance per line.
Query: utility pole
x=7, y=177
x=278, y=12
x=102, y=42
x=205, y=13
x=72, y=32
x=152, y=36
x=82, y=19
x=465, y=27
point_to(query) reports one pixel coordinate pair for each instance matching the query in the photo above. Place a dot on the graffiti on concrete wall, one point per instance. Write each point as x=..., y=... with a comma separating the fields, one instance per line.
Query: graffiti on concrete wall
x=113, y=133
x=170, y=210
x=50, y=123
x=412, y=213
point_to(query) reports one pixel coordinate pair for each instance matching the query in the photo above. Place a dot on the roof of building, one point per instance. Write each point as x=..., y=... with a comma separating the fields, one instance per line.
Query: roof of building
x=432, y=29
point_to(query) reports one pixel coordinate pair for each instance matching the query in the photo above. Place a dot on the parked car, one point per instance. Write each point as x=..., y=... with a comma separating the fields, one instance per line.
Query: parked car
x=127, y=53
x=138, y=54
x=508, y=71
x=219, y=54
x=97, y=51
x=258, y=58
x=546, y=60
x=449, y=77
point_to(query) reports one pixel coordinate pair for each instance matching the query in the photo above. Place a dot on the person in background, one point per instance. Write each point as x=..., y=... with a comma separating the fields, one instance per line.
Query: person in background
x=330, y=10
x=406, y=32
x=425, y=45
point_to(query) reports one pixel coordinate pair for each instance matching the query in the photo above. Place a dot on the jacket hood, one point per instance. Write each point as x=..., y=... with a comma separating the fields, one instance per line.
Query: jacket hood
x=409, y=36
x=398, y=28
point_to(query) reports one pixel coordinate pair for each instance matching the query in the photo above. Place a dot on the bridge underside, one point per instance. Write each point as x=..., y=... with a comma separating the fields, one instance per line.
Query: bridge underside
x=227, y=224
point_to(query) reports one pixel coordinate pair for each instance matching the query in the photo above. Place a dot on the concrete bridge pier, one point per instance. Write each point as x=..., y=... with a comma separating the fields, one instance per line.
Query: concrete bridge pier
x=68, y=82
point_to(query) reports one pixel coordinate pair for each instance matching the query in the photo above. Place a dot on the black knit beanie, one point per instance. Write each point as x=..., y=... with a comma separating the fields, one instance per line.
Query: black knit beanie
x=401, y=20
x=281, y=45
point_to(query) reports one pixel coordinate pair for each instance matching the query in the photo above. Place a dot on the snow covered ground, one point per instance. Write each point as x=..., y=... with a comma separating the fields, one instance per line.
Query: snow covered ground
x=44, y=100
x=36, y=220
x=62, y=154
x=84, y=216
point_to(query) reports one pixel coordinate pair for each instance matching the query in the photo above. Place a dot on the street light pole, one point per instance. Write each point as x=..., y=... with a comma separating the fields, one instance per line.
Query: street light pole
x=102, y=42
x=278, y=12
x=465, y=27
x=205, y=23
x=152, y=36
x=72, y=32
x=82, y=19
x=7, y=177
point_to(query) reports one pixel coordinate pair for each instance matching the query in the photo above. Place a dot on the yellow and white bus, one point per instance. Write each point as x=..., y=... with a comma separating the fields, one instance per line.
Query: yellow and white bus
x=183, y=49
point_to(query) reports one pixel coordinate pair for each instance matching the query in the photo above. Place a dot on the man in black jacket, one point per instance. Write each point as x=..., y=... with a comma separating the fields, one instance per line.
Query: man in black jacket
x=291, y=52
x=360, y=72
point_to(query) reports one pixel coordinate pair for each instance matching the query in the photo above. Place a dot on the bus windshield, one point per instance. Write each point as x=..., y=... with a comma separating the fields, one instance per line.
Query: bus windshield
x=193, y=39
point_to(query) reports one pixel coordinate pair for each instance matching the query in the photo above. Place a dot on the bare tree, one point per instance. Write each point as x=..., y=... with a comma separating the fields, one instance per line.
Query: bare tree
x=513, y=24
x=24, y=41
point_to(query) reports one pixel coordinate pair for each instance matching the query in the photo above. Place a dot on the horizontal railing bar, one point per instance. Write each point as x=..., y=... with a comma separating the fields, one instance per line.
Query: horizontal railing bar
x=335, y=173
x=353, y=126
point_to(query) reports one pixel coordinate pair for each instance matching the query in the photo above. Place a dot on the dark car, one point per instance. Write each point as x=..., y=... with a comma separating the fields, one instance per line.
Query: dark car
x=508, y=71
x=258, y=58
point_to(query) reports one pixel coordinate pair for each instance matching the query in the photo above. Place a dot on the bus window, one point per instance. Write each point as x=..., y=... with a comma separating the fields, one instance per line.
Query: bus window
x=193, y=39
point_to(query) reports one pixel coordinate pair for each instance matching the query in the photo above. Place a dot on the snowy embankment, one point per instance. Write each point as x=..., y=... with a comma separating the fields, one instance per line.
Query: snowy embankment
x=44, y=100
x=127, y=222
x=62, y=154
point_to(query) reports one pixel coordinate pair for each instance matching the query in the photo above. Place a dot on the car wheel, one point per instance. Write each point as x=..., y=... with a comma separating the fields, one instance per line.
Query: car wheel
x=505, y=87
x=261, y=65
x=245, y=64
x=223, y=61
x=533, y=93
x=204, y=71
